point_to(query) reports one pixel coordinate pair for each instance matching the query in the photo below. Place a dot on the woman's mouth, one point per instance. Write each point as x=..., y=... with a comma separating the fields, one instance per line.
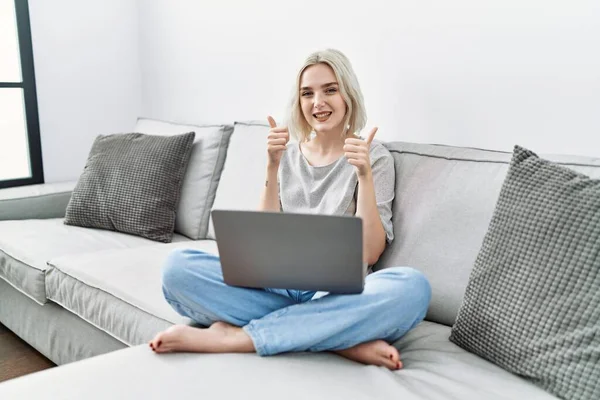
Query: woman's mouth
x=322, y=116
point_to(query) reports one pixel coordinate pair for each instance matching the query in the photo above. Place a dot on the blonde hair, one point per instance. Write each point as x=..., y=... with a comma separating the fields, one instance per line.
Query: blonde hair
x=356, y=116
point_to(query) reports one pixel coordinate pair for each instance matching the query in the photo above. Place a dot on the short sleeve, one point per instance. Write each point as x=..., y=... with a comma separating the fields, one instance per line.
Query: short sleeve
x=384, y=180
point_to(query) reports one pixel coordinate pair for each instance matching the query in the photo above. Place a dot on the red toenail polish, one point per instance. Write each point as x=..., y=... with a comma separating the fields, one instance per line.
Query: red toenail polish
x=391, y=356
x=158, y=344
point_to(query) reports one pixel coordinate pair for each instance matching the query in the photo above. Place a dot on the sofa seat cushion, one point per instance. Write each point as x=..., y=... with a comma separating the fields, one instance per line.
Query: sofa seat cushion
x=435, y=369
x=119, y=291
x=26, y=245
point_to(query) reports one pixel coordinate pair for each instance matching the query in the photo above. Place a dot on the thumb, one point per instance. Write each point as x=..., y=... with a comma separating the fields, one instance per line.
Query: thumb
x=272, y=122
x=371, y=135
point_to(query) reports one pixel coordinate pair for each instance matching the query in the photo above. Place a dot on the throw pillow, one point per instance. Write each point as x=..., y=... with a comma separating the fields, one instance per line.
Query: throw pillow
x=532, y=304
x=131, y=183
x=202, y=175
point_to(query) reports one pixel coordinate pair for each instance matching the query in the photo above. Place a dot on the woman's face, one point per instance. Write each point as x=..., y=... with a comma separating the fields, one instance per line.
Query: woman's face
x=322, y=104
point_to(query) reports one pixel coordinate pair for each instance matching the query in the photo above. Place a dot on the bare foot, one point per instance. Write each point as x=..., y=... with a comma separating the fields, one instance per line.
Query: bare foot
x=377, y=352
x=221, y=337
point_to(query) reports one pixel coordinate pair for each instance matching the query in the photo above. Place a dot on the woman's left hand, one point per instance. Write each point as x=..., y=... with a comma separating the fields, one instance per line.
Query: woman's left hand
x=357, y=153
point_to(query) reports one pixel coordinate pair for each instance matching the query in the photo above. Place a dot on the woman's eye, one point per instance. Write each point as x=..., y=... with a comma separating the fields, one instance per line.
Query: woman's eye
x=306, y=93
x=331, y=90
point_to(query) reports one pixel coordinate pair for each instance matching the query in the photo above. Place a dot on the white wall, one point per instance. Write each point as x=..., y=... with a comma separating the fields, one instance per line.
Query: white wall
x=482, y=74
x=467, y=72
x=88, y=77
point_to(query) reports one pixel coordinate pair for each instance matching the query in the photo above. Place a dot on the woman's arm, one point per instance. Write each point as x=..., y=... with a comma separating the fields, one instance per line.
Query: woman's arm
x=276, y=145
x=269, y=200
x=373, y=232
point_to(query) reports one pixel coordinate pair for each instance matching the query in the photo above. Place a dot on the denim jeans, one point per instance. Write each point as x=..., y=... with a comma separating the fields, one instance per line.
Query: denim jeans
x=394, y=301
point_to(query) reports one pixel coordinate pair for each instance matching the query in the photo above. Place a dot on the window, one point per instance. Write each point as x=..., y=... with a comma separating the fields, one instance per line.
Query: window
x=20, y=150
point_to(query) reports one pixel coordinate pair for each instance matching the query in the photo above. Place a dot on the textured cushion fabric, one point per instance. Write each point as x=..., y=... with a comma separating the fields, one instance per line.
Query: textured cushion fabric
x=435, y=369
x=445, y=198
x=131, y=183
x=532, y=304
x=119, y=291
x=47, y=200
x=243, y=175
x=26, y=245
x=202, y=175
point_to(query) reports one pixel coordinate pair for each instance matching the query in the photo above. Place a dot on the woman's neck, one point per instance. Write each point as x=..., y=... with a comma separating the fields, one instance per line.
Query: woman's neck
x=327, y=143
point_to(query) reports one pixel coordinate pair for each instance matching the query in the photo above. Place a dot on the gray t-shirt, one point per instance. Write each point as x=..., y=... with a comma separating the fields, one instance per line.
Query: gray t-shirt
x=332, y=189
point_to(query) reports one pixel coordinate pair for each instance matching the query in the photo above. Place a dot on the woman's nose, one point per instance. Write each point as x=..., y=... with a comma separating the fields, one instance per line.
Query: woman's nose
x=319, y=100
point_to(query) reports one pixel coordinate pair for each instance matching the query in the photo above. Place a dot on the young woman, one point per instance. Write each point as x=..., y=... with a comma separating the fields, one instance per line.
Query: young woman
x=329, y=170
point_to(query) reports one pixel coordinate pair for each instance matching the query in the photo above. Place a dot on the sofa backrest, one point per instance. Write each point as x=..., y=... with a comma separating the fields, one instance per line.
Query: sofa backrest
x=445, y=198
x=244, y=171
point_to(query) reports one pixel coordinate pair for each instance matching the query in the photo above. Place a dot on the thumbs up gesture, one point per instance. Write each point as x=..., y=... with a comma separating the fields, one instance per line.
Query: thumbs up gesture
x=357, y=153
x=276, y=142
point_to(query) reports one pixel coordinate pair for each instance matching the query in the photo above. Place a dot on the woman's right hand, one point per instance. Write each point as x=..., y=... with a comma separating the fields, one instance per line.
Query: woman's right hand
x=276, y=142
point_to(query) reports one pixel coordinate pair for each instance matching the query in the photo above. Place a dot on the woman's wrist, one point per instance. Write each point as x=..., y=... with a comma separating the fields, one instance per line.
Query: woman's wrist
x=271, y=174
x=366, y=178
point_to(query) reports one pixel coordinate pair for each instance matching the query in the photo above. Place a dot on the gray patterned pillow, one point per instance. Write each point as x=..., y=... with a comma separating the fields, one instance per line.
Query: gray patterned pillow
x=532, y=304
x=131, y=183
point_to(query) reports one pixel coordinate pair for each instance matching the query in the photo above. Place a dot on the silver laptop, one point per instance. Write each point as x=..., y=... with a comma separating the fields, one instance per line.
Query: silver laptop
x=290, y=251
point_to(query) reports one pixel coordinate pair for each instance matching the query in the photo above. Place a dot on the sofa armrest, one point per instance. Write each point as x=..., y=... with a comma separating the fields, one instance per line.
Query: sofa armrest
x=47, y=200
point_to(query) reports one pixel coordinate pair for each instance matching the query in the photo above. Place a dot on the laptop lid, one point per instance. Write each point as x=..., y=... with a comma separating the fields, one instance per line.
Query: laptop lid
x=290, y=251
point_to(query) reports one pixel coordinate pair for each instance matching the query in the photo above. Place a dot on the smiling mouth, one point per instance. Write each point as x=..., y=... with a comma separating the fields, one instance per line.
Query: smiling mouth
x=322, y=116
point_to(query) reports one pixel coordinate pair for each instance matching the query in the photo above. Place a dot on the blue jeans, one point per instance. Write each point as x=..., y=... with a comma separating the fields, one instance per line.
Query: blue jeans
x=394, y=301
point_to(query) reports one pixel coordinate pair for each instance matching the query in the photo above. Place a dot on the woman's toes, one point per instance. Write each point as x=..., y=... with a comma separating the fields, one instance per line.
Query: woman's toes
x=163, y=349
x=156, y=342
x=391, y=356
x=388, y=351
x=162, y=346
x=394, y=354
x=389, y=363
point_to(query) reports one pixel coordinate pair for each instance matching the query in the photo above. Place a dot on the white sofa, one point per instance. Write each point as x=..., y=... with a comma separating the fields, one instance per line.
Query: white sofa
x=75, y=293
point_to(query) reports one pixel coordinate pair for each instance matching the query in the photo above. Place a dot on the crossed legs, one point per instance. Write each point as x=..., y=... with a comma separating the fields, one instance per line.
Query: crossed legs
x=272, y=321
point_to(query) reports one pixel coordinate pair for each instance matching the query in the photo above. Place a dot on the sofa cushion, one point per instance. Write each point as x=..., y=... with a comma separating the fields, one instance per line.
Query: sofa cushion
x=202, y=175
x=435, y=369
x=26, y=245
x=118, y=291
x=532, y=304
x=244, y=170
x=131, y=183
x=58, y=334
x=445, y=197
